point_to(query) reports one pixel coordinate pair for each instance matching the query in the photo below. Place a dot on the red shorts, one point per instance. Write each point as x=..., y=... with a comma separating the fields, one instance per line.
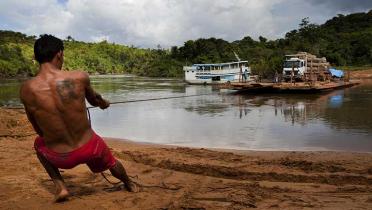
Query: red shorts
x=94, y=153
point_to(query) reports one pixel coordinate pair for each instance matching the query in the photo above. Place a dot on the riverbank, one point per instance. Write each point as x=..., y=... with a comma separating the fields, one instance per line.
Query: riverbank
x=186, y=178
x=354, y=74
x=361, y=74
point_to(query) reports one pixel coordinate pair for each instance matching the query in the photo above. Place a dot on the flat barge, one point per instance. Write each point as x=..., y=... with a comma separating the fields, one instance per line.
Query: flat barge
x=298, y=87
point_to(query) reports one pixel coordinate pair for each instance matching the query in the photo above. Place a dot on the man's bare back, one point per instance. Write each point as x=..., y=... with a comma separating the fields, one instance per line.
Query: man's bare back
x=55, y=101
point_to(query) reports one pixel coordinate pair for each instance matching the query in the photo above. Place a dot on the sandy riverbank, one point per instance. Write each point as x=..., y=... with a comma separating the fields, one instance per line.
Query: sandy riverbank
x=361, y=74
x=185, y=178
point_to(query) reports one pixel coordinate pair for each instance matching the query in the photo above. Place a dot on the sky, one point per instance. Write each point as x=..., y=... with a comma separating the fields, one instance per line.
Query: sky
x=149, y=23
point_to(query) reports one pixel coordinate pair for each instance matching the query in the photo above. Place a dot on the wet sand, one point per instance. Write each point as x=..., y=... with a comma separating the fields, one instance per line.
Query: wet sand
x=186, y=178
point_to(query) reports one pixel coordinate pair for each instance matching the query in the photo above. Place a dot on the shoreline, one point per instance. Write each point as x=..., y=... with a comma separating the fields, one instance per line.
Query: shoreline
x=354, y=74
x=176, y=177
x=118, y=141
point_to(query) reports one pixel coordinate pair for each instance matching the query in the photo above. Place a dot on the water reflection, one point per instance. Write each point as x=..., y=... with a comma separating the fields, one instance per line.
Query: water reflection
x=336, y=101
x=342, y=109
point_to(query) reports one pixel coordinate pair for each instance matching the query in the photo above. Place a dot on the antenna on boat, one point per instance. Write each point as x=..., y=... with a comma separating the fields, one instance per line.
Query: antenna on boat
x=236, y=56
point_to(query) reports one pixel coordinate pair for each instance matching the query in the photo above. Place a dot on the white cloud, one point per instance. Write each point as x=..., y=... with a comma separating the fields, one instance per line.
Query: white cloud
x=34, y=17
x=147, y=23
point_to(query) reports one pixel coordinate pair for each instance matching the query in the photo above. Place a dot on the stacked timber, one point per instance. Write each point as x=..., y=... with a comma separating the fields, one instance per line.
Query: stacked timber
x=316, y=68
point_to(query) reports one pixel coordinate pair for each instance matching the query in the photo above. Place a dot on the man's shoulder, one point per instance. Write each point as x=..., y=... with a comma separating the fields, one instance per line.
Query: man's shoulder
x=27, y=84
x=26, y=88
x=78, y=74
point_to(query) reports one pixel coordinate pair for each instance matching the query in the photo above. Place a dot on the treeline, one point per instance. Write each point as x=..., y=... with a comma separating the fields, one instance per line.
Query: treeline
x=343, y=40
x=16, y=58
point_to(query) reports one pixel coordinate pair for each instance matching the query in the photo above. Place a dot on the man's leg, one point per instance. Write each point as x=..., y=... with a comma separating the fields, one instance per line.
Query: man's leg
x=61, y=190
x=119, y=172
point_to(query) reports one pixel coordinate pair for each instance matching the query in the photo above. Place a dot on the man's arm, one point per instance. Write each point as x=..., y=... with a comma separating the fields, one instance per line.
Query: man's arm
x=33, y=123
x=94, y=98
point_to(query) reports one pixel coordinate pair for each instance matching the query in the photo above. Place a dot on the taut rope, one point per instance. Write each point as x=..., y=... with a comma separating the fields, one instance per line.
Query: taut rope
x=152, y=99
x=124, y=102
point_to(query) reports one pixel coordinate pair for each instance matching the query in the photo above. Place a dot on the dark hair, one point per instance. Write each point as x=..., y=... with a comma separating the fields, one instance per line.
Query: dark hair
x=46, y=47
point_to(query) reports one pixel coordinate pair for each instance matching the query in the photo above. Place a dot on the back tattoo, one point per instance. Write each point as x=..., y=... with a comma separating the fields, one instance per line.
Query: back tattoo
x=66, y=90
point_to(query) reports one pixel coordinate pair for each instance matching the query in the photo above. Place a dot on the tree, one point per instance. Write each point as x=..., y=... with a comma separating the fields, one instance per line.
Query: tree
x=69, y=38
x=262, y=39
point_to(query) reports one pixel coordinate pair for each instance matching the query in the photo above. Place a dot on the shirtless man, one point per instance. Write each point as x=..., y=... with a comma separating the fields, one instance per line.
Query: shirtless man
x=54, y=101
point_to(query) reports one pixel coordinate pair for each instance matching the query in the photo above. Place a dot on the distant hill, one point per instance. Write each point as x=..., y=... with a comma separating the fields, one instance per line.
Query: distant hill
x=345, y=40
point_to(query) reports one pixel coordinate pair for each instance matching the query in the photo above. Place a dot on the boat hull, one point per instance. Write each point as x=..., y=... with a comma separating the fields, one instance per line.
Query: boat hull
x=207, y=82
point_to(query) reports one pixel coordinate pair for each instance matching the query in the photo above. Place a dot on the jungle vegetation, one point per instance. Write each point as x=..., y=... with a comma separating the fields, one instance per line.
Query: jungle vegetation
x=345, y=40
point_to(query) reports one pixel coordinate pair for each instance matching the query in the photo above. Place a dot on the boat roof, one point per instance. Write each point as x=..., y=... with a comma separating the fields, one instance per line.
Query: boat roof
x=218, y=64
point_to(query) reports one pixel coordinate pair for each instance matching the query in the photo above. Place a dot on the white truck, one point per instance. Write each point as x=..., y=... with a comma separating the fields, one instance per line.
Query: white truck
x=305, y=67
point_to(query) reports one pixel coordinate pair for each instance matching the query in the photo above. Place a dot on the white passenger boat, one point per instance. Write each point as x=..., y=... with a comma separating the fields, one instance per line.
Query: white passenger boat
x=217, y=72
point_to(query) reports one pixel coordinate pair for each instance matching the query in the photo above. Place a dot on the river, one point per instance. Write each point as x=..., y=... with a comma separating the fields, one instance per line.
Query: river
x=340, y=120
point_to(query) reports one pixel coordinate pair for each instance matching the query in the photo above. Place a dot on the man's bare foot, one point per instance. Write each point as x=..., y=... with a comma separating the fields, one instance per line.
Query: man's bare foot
x=61, y=196
x=131, y=187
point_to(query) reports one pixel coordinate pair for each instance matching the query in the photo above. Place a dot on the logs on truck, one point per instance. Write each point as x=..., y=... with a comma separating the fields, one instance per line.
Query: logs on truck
x=305, y=67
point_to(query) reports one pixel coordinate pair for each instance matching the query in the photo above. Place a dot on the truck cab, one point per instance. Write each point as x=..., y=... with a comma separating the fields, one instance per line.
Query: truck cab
x=297, y=65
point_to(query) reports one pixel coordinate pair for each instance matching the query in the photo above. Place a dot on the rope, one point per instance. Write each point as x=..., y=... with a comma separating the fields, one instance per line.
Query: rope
x=151, y=99
x=113, y=183
x=162, y=186
x=124, y=102
x=141, y=100
x=90, y=123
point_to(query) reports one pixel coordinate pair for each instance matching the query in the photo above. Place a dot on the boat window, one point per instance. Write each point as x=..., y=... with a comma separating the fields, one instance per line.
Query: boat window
x=207, y=68
x=192, y=71
x=187, y=71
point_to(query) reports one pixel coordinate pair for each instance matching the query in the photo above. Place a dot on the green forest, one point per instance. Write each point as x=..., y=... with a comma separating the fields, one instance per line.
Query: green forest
x=345, y=40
